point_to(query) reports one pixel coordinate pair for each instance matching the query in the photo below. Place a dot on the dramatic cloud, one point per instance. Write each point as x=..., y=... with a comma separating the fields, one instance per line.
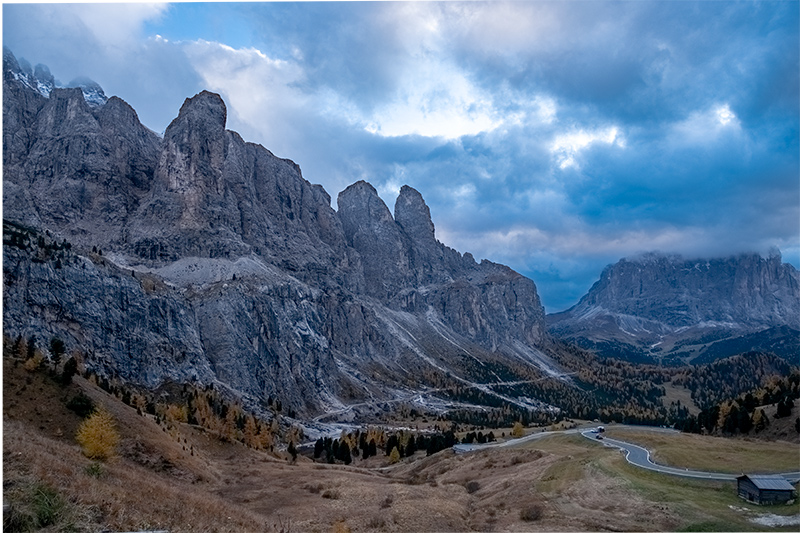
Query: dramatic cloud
x=555, y=137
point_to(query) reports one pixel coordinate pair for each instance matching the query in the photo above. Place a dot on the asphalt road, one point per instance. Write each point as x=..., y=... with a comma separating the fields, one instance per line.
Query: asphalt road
x=636, y=455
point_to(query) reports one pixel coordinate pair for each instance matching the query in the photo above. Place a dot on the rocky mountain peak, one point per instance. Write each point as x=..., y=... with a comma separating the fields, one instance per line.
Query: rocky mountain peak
x=370, y=229
x=66, y=111
x=222, y=264
x=655, y=299
x=92, y=92
x=117, y=112
x=413, y=215
x=41, y=80
x=191, y=162
x=9, y=60
x=359, y=205
x=204, y=113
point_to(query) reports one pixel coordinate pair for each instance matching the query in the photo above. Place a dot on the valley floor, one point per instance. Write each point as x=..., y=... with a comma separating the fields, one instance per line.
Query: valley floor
x=186, y=481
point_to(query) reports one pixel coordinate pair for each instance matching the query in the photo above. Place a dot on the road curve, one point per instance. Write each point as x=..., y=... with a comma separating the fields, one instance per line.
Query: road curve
x=638, y=456
x=635, y=455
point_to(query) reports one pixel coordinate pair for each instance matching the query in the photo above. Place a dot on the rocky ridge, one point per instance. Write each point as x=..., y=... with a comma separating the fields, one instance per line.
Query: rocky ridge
x=40, y=79
x=201, y=257
x=659, y=306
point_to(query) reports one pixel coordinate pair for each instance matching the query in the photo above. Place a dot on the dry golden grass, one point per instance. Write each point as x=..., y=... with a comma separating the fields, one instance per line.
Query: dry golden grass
x=677, y=393
x=122, y=496
x=187, y=481
x=714, y=454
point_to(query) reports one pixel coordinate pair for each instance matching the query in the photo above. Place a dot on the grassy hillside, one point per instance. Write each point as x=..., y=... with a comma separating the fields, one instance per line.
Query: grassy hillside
x=714, y=453
x=186, y=479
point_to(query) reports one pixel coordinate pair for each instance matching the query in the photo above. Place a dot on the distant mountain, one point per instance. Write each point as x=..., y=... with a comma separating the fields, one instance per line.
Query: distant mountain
x=199, y=257
x=40, y=79
x=664, y=307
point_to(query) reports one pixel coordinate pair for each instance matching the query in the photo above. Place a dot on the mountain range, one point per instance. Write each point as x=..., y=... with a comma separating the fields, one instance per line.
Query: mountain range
x=665, y=308
x=197, y=257
x=201, y=257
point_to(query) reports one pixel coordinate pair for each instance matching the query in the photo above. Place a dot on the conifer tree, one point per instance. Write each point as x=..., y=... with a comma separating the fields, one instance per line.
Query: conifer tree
x=56, y=350
x=98, y=435
x=391, y=443
x=394, y=455
x=411, y=447
x=318, y=447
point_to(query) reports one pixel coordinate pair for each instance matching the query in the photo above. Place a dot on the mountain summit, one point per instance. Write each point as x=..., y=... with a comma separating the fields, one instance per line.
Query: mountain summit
x=663, y=306
x=203, y=258
x=40, y=79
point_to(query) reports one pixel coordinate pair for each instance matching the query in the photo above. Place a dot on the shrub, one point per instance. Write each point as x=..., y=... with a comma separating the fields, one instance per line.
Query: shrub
x=175, y=413
x=94, y=470
x=340, y=526
x=32, y=364
x=387, y=502
x=48, y=505
x=81, y=405
x=314, y=489
x=531, y=513
x=472, y=486
x=70, y=369
x=39, y=507
x=98, y=435
x=57, y=349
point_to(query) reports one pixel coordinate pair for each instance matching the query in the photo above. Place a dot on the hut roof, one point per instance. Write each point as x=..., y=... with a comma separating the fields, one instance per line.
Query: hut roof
x=769, y=482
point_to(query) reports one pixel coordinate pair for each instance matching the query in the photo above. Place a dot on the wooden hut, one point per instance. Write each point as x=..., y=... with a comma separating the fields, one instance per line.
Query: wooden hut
x=765, y=490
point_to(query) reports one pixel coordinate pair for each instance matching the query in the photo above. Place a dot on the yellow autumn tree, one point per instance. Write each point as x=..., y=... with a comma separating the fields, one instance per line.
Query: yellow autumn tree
x=394, y=456
x=230, y=430
x=266, y=440
x=176, y=413
x=251, y=432
x=98, y=435
x=517, y=431
x=33, y=364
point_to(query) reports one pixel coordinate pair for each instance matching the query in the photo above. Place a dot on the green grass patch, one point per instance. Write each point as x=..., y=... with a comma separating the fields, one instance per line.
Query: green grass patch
x=36, y=507
x=703, y=505
x=700, y=505
x=714, y=454
x=706, y=526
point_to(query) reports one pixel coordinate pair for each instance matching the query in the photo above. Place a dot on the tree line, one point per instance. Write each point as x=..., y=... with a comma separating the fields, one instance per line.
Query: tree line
x=745, y=413
x=368, y=443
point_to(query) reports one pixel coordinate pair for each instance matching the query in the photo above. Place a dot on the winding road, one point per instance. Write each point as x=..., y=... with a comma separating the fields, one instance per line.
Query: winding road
x=635, y=455
x=418, y=395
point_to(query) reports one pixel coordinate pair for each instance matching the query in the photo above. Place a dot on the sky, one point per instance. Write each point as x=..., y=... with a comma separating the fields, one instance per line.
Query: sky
x=554, y=137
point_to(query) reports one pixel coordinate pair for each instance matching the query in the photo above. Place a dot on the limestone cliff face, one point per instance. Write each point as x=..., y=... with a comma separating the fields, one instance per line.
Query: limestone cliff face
x=73, y=168
x=407, y=268
x=221, y=264
x=656, y=300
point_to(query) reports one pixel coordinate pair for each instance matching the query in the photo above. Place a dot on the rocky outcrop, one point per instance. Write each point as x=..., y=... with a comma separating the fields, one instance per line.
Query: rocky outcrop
x=221, y=264
x=666, y=303
x=83, y=171
x=407, y=268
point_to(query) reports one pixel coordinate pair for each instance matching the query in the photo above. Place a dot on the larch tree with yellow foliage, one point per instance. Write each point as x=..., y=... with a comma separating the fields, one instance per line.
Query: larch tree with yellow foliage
x=98, y=435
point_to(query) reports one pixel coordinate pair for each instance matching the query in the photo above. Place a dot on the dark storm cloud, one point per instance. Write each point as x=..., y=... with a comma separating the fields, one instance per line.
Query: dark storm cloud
x=555, y=137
